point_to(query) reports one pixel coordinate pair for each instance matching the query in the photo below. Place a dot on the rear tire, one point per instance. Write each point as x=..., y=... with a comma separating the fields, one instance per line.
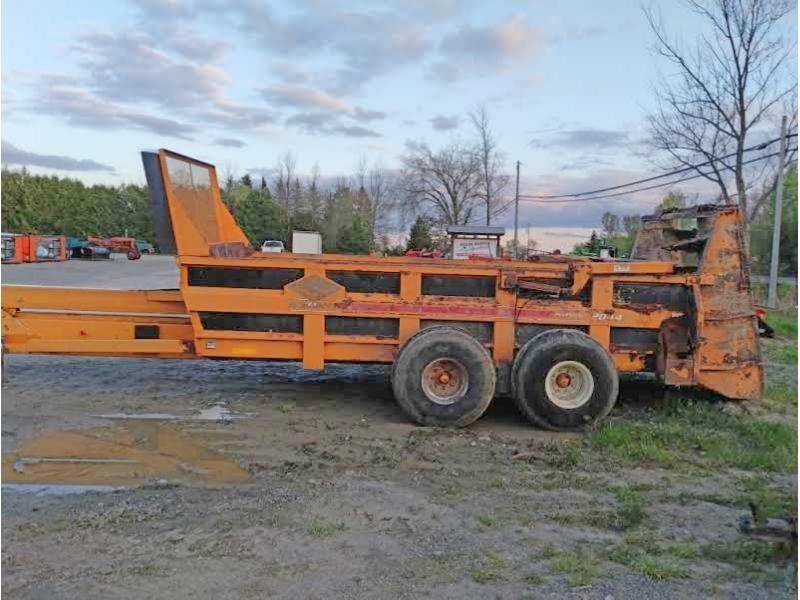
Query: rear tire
x=563, y=379
x=443, y=377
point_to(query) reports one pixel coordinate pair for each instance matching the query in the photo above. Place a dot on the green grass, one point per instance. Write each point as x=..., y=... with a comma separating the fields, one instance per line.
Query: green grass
x=659, y=568
x=547, y=552
x=488, y=520
x=628, y=513
x=580, y=568
x=770, y=500
x=775, y=351
x=782, y=396
x=320, y=528
x=493, y=567
x=701, y=435
x=649, y=558
x=684, y=550
x=743, y=551
x=630, y=507
x=783, y=322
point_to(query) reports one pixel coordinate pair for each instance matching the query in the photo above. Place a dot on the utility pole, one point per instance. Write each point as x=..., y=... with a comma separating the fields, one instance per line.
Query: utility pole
x=516, y=217
x=776, y=225
x=528, y=244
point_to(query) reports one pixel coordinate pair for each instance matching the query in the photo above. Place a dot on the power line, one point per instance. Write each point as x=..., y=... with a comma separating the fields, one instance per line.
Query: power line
x=655, y=177
x=570, y=198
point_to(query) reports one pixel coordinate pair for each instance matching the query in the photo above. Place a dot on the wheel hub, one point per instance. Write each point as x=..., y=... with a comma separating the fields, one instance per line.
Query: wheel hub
x=569, y=384
x=563, y=380
x=445, y=381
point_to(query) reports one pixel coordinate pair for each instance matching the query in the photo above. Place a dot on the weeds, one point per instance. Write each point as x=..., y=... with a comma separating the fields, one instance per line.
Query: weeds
x=579, y=567
x=742, y=551
x=630, y=507
x=320, y=528
x=659, y=568
x=493, y=567
x=683, y=550
x=488, y=520
x=628, y=514
x=649, y=559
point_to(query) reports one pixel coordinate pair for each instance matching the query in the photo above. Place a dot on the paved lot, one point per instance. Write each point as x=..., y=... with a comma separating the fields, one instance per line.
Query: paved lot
x=135, y=478
x=149, y=272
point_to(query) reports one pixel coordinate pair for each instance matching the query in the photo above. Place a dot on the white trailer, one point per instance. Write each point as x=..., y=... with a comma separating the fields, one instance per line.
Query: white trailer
x=306, y=242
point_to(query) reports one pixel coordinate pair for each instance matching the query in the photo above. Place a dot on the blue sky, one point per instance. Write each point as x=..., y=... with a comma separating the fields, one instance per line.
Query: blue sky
x=567, y=85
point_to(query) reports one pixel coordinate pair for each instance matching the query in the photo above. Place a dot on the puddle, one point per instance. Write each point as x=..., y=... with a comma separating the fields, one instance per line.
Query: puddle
x=57, y=490
x=140, y=416
x=218, y=412
x=130, y=453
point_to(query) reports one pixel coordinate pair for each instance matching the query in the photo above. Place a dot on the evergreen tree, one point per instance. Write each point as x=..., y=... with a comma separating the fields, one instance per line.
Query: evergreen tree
x=260, y=218
x=355, y=238
x=420, y=237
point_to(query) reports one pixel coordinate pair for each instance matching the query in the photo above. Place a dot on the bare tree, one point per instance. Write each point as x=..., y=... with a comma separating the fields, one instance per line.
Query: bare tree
x=382, y=193
x=492, y=179
x=723, y=89
x=229, y=176
x=314, y=195
x=447, y=182
x=284, y=176
x=362, y=167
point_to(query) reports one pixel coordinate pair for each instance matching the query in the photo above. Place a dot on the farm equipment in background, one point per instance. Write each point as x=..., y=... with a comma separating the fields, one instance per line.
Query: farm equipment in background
x=13, y=247
x=81, y=249
x=553, y=333
x=19, y=248
x=126, y=245
x=424, y=253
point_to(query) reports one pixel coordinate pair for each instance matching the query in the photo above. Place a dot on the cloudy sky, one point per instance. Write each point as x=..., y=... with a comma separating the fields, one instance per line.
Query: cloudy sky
x=87, y=84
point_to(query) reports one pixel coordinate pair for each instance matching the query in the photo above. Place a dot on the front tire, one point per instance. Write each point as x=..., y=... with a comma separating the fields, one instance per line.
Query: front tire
x=443, y=377
x=563, y=379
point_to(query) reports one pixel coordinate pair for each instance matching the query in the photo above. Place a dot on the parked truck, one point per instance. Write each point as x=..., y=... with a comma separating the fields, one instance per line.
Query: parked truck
x=554, y=333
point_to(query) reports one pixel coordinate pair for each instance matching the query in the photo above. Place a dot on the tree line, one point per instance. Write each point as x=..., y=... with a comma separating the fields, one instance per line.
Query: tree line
x=60, y=205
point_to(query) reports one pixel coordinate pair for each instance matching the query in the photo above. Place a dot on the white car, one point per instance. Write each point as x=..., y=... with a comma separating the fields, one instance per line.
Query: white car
x=272, y=246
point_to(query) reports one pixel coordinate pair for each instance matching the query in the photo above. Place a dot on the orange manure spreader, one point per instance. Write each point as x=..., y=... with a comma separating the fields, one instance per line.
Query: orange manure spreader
x=554, y=333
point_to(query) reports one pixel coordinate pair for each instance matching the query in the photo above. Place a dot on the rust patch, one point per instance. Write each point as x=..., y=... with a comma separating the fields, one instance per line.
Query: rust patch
x=642, y=308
